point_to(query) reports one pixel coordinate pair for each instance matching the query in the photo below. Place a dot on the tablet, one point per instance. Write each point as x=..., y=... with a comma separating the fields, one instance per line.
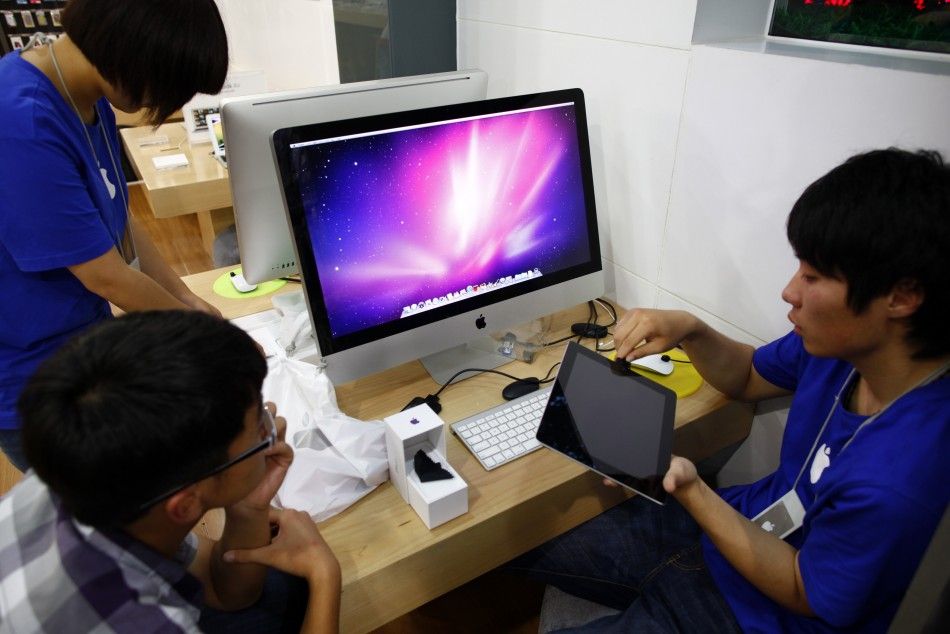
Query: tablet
x=610, y=419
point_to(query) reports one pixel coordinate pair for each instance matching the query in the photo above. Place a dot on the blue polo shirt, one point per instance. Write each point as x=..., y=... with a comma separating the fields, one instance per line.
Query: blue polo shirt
x=56, y=210
x=870, y=511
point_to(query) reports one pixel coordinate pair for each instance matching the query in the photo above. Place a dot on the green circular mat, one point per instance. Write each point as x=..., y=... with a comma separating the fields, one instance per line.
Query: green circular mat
x=224, y=287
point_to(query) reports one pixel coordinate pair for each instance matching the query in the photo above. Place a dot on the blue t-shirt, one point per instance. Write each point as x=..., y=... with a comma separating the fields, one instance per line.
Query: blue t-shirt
x=56, y=210
x=870, y=511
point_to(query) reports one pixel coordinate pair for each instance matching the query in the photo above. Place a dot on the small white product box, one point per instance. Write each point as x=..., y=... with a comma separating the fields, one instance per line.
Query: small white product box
x=407, y=432
x=169, y=161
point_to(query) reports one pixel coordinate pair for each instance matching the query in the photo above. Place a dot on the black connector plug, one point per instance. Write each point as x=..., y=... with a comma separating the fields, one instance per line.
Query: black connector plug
x=431, y=400
x=591, y=331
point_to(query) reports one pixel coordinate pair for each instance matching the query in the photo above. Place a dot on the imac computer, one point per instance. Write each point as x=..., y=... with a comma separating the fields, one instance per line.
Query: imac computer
x=264, y=241
x=418, y=231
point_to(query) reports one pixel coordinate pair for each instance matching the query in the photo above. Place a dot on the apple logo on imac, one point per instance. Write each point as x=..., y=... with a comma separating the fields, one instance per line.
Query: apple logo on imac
x=480, y=322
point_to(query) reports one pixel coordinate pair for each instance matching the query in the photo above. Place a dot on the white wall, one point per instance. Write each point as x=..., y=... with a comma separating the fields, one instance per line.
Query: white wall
x=699, y=152
x=292, y=41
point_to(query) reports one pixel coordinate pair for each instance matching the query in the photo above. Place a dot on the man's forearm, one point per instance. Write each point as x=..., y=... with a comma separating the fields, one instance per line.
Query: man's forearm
x=722, y=362
x=323, y=607
x=767, y=562
x=239, y=585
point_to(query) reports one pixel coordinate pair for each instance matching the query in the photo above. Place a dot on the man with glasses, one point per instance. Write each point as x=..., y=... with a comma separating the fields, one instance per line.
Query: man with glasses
x=135, y=430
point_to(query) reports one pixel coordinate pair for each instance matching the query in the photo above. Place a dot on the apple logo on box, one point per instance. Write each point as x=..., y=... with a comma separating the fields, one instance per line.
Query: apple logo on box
x=480, y=322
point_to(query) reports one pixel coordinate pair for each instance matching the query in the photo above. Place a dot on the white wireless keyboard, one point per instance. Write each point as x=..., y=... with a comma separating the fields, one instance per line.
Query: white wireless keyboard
x=501, y=434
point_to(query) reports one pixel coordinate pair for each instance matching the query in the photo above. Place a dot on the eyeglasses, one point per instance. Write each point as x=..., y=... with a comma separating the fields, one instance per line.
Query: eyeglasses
x=268, y=430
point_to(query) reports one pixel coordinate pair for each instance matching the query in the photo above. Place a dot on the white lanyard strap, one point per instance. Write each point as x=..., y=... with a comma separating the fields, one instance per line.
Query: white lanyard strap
x=92, y=147
x=930, y=378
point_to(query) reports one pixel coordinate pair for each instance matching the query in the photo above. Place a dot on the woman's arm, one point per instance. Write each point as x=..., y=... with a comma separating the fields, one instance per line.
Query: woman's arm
x=109, y=277
x=154, y=265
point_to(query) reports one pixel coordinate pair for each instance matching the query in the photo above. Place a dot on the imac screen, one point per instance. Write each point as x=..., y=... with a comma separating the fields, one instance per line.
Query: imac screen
x=406, y=218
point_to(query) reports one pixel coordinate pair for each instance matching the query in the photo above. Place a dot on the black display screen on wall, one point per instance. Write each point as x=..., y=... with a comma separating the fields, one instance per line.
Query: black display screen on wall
x=918, y=25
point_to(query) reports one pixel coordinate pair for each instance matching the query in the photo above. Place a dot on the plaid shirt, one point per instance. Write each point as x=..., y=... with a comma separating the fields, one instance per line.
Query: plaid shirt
x=57, y=575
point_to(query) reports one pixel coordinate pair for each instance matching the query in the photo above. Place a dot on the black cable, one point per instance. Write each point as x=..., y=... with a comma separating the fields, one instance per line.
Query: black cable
x=591, y=316
x=610, y=309
x=591, y=319
x=478, y=370
x=557, y=341
x=547, y=377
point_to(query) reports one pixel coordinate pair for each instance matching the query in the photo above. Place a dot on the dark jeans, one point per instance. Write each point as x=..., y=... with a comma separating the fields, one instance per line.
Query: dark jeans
x=638, y=557
x=12, y=449
x=281, y=608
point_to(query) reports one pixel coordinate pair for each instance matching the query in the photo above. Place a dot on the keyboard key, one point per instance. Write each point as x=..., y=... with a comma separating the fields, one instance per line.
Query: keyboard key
x=490, y=451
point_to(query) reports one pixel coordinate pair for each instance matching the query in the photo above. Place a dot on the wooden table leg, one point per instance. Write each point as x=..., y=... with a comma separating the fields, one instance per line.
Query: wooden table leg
x=210, y=223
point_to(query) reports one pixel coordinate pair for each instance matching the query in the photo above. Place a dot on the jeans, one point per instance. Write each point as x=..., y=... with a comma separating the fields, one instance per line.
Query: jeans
x=281, y=608
x=12, y=449
x=638, y=557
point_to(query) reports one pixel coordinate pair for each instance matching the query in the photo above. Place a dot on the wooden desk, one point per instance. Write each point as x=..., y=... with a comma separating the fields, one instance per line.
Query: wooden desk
x=201, y=188
x=392, y=563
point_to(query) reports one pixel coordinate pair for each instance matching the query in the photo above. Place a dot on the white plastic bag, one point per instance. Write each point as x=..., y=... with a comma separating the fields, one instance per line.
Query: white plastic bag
x=337, y=459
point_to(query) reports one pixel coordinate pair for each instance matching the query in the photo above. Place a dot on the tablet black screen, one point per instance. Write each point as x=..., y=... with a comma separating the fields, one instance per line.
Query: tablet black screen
x=617, y=423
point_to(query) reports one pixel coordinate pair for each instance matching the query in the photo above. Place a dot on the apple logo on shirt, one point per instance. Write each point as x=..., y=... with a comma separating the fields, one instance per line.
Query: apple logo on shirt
x=109, y=186
x=821, y=462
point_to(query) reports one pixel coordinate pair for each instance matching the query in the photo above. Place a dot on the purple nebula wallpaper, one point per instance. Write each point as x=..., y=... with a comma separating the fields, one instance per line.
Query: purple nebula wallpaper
x=399, y=217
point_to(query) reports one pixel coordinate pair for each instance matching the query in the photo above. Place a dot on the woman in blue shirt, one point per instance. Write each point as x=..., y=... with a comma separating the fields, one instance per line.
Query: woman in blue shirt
x=66, y=251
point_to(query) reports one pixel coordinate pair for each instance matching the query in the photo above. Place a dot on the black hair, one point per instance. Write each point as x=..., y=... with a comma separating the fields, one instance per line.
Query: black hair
x=136, y=406
x=158, y=52
x=880, y=219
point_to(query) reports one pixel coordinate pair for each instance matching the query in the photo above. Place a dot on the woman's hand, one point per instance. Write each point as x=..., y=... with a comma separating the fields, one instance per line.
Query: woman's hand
x=196, y=303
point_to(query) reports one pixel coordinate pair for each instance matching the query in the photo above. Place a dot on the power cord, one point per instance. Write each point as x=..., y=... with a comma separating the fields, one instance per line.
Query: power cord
x=432, y=400
x=589, y=329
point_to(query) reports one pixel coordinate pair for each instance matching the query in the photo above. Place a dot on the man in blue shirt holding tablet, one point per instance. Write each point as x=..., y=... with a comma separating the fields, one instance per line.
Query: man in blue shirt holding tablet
x=829, y=542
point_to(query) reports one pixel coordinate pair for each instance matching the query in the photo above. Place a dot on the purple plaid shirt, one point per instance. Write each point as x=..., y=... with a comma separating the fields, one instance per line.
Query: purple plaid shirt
x=57, y=575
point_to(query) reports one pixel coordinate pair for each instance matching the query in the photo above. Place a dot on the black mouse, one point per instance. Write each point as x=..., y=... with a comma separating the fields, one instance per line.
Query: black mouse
x=520, y=388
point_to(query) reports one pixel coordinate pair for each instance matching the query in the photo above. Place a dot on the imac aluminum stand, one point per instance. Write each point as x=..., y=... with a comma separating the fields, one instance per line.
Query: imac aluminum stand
x=482, y=353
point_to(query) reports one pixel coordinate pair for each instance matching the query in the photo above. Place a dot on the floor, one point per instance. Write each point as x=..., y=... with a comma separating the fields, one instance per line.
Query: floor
x=494, y=602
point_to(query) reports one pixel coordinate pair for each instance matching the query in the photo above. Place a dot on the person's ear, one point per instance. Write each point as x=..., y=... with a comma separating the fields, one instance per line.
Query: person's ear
x=185, y=507
x=906, y=297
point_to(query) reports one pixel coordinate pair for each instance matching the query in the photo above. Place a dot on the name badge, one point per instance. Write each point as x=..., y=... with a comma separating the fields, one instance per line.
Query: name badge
x=783, y=517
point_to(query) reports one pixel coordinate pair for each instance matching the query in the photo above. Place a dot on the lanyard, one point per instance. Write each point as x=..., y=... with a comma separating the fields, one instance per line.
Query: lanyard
x=127, y=250
x=930, y=378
